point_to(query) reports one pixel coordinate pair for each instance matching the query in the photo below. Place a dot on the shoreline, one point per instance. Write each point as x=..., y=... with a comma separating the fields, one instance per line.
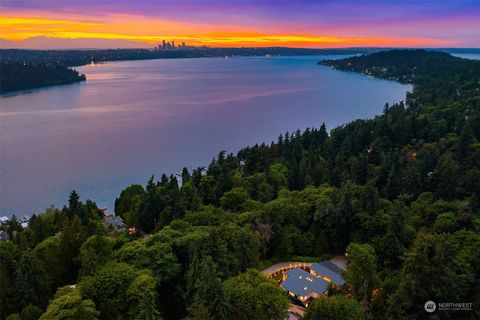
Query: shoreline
x=109, y=203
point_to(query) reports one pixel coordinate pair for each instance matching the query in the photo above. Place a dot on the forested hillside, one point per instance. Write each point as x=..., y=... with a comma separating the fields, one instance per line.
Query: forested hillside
x=400, y=191
x=25, y=75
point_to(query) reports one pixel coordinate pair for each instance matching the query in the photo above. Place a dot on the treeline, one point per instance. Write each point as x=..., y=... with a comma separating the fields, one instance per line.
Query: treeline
x=27, y=69
x=81, y=57
x=438, y=77
x=73, y=58
x=399, y=193
x=51, y=63
x=27, y=75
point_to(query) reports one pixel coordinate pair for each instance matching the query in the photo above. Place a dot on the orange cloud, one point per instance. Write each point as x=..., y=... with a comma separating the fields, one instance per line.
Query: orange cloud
x=152, y=31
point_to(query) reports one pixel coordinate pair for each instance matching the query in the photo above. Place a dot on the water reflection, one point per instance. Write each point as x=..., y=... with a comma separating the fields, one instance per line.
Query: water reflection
x=137, y=118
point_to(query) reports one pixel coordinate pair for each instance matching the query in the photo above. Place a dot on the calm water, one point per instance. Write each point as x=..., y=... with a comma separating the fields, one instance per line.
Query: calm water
x=471, y=56
x=134, y=119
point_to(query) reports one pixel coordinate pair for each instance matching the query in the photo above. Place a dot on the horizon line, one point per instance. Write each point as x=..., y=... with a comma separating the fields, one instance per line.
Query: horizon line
x=251, y=47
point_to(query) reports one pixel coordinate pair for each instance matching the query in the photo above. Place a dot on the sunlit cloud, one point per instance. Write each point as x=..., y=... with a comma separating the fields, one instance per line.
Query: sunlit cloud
x=24, y=24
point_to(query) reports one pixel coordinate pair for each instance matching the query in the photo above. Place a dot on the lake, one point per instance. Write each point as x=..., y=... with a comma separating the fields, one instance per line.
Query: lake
x=134, y=119
x=470, y=56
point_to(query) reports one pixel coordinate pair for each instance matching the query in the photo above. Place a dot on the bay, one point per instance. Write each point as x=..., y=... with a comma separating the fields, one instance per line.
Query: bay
x=134, y=119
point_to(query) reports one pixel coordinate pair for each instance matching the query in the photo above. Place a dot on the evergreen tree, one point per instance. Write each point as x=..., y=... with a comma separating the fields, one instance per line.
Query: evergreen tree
x=467, y=138
x=31, y=280
x=361, y=272
x=208, y=290
x=73, y=204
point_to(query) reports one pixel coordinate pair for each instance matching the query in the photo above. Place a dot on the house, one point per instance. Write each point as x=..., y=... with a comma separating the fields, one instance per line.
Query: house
x=328, y=271
x=4, y=220
x=24, y=221
x=115, y=221
x=303, y=286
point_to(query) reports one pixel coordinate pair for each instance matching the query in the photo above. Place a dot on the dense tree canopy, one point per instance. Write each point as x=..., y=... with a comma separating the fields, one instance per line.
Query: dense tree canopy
x=335, y=308
x=68, y=304
x=22, y=75
x=361, y=272
x=252, y=296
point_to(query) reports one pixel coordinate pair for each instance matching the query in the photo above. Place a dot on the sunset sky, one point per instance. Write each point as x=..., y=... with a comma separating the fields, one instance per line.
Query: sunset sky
x=316, y=24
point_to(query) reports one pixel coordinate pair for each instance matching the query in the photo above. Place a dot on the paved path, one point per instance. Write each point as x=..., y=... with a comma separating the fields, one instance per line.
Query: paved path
x=283, y=266
x=295, y=312
x=339, y=261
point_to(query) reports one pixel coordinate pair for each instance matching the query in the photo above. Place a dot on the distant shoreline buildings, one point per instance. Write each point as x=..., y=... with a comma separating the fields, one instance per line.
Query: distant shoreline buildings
x=171, y=46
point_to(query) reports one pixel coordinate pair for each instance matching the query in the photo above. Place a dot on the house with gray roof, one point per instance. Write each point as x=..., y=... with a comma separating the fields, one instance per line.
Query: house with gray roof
x=115, y=221
x=4, y=220
x=303, y=286
x=328, y=271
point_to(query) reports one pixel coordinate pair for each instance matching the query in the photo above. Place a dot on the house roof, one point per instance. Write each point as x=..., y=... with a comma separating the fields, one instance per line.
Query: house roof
x=116, y=222
x=4, y=219
x=329, y=270
x=302, y=283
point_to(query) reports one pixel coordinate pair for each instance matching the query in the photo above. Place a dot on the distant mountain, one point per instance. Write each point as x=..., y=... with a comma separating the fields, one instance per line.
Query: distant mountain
x=56, y=43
